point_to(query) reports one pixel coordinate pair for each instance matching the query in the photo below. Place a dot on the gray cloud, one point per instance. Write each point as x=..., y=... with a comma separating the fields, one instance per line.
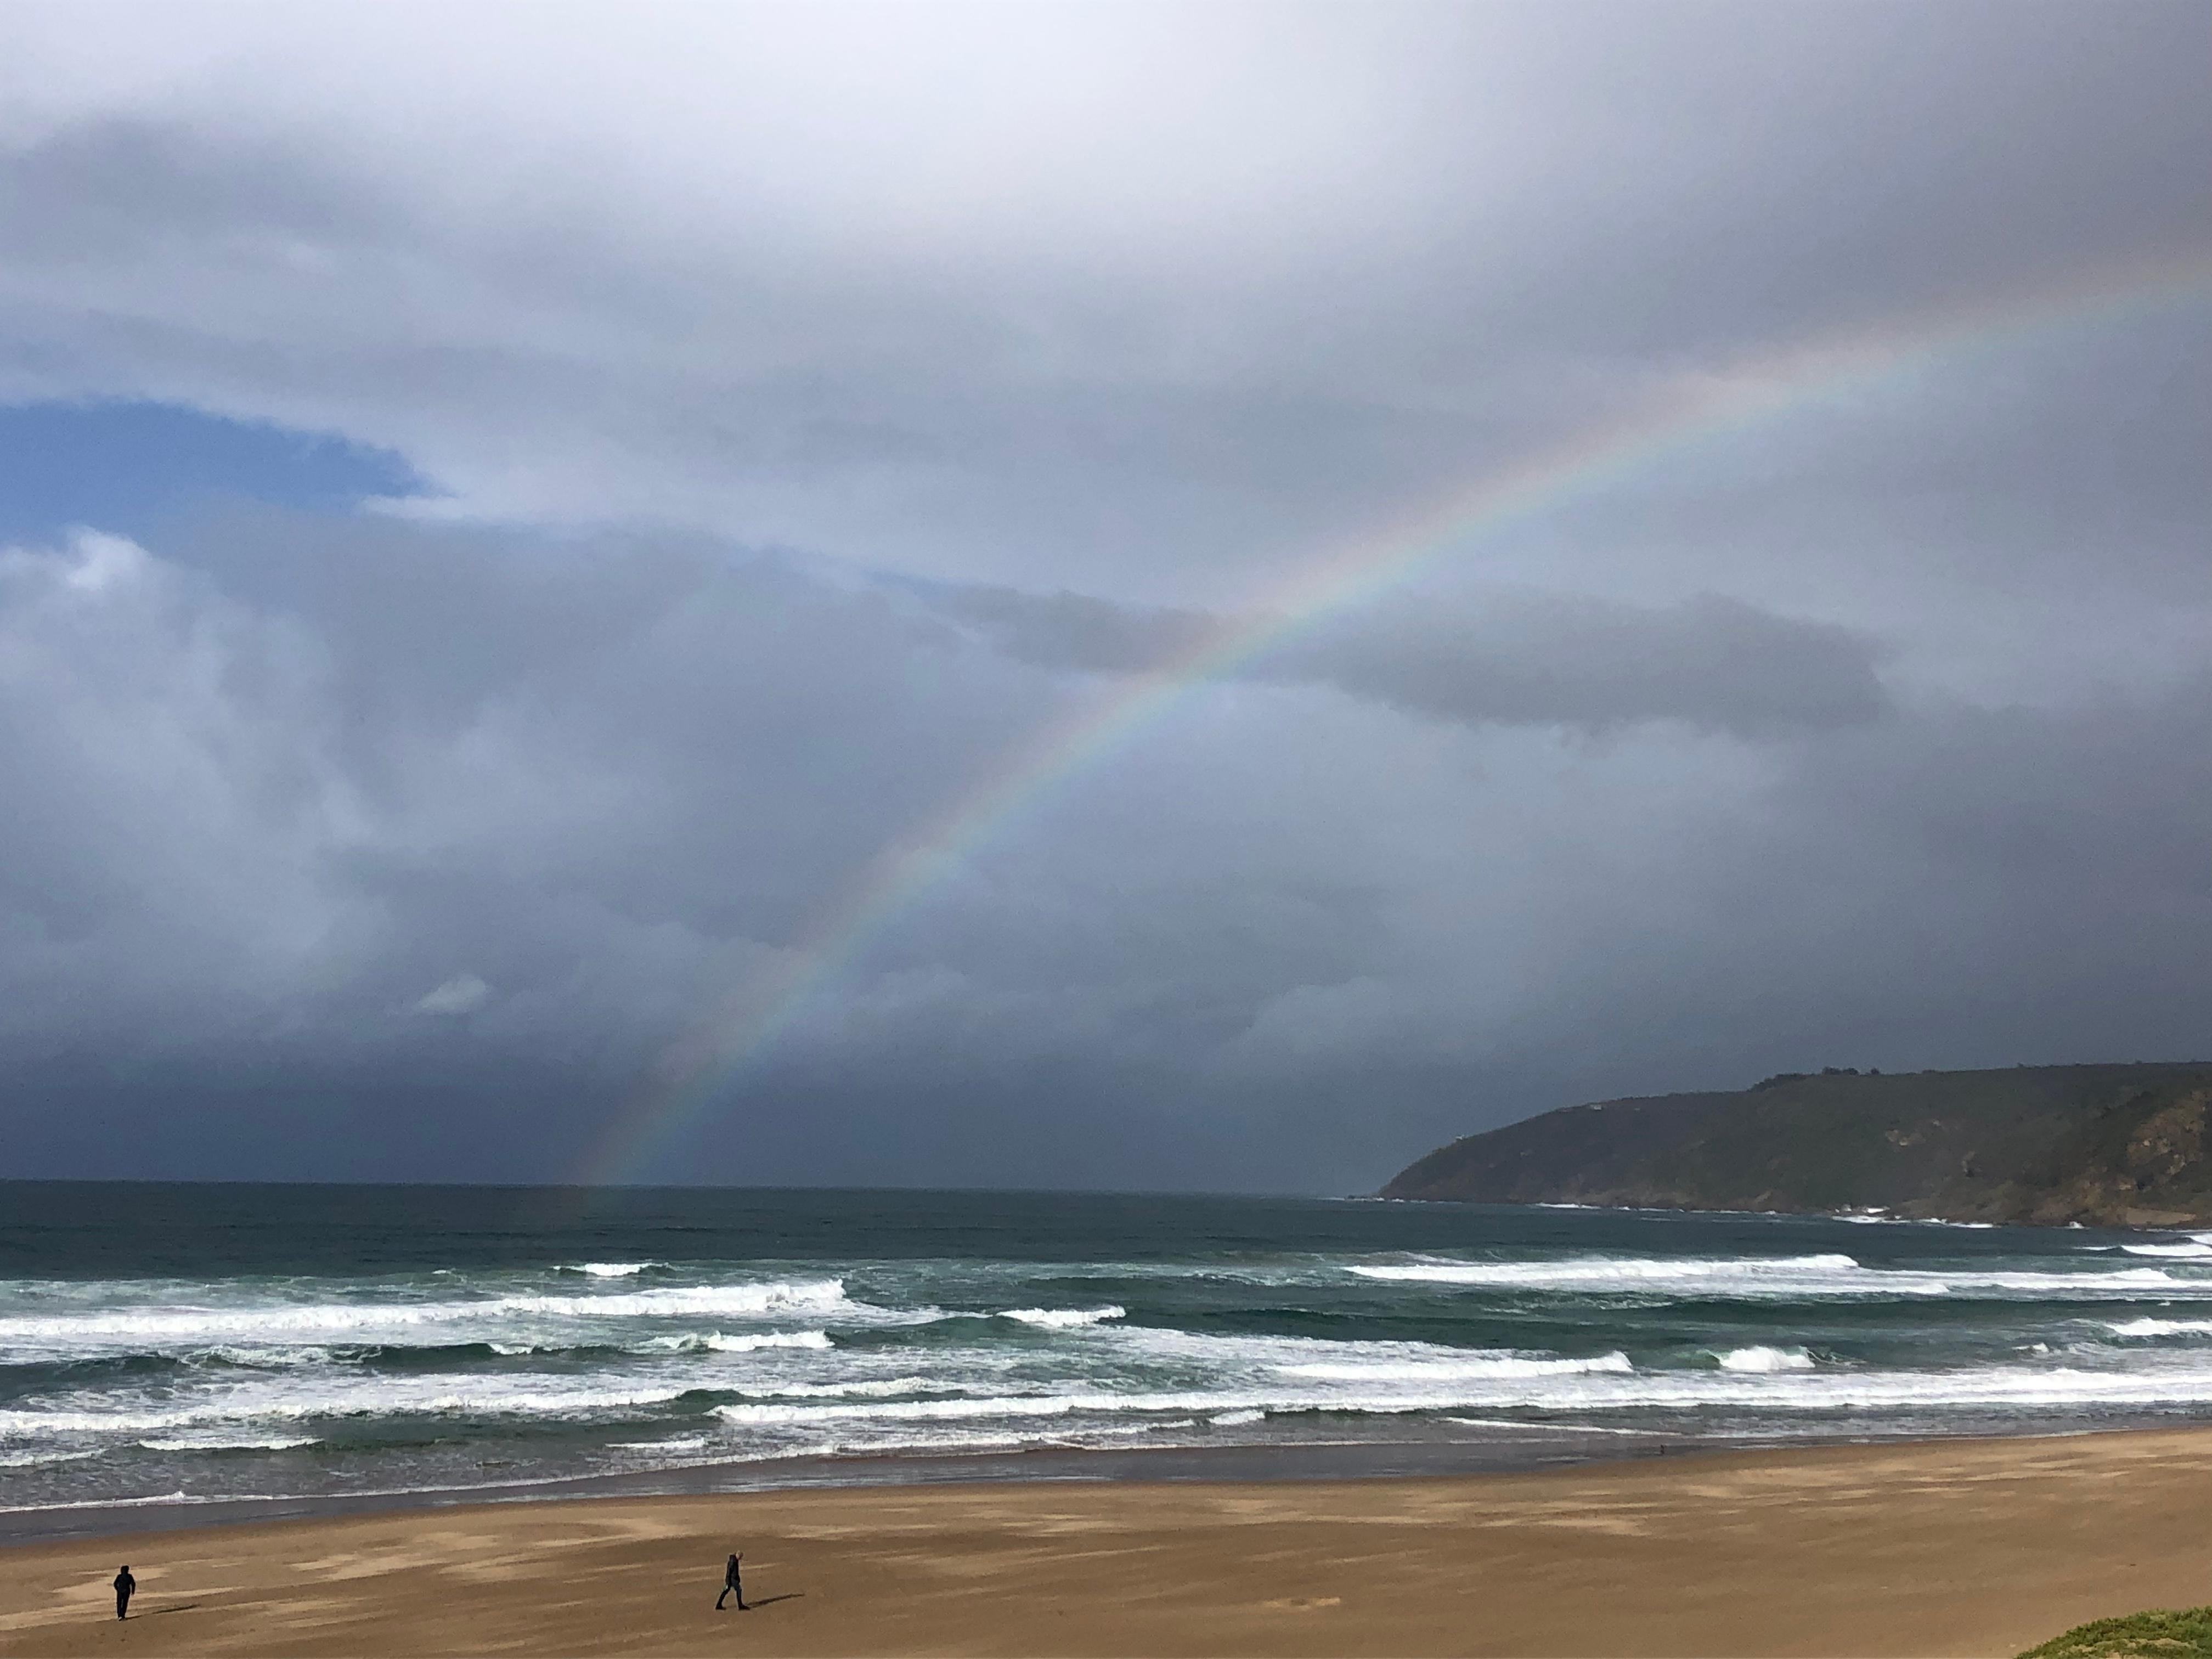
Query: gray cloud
x=1508, y=659
x=566, y=798
x=1709, y=661
x=1143, y=308
x=826, y=402
x=1079, y=630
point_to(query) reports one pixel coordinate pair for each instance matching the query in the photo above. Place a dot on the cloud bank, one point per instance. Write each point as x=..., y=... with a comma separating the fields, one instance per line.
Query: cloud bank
x=727, y=442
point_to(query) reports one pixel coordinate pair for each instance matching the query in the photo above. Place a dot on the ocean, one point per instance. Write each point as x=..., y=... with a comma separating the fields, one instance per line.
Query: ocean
x=167, y=1346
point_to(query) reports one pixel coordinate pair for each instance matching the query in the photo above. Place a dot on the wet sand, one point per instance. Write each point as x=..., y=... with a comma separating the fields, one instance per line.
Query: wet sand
x=1934, y=1547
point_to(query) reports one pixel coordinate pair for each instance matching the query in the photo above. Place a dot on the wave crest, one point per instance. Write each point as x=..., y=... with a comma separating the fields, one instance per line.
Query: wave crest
x=221, y=1326
x=1064, y=1319
x=1778, y=1278
x=1445, y=1370
x=1760, y=1357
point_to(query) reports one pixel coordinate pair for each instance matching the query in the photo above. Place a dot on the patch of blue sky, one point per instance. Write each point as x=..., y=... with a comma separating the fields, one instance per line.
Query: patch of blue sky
x=131, y=467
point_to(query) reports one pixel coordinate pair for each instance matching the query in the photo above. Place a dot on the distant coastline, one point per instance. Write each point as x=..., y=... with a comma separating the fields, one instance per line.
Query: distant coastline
x=2094, y=1145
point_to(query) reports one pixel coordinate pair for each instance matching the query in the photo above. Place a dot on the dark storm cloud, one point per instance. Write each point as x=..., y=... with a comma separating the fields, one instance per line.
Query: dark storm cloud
x=340, y=829
x=436, y=754
x=438, y=837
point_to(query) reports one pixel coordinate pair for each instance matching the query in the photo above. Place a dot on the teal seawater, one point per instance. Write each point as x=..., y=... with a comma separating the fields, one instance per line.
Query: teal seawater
x=166, y=1343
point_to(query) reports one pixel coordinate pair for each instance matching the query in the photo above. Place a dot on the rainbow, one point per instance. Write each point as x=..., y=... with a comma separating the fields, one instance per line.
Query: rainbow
x=1692, y=408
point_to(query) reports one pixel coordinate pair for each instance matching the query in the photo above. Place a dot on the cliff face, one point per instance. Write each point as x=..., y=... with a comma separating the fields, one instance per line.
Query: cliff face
x=2112, y=1146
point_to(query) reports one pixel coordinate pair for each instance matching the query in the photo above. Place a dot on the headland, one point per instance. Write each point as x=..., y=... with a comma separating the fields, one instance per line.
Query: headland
x=2097, y=1145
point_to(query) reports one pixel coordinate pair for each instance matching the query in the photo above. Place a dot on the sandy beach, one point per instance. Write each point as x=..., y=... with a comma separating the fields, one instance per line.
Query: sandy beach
x=1946, y=1547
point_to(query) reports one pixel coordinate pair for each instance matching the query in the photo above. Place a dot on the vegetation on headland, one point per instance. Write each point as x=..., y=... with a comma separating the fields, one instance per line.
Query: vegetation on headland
x=2105, y=1146
x=2185, y=1634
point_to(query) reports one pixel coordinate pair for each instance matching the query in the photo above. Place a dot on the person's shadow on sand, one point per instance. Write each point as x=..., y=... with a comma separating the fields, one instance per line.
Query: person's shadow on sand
x=771, y=1600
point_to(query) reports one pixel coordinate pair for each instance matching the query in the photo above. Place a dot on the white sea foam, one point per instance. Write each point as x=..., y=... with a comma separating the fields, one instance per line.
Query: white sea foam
x=1610, y=1271
x=1008, y=1407
x=1266, y=1375
x=172, y=1328
x=348, y=1396
x=267, y=1356
x=25, y=1460
x=1554, y=1428
x=750, y=1342
x=1785, y=1278
x=1446, y=1370
x=113, y=1503
x=781, y=1362
x=1061, y=1319
x=1761, y=1358
x=966, y=1442
x=2008, y=1386
x=1792, y=1391
x=233, y=1443
x=880, y=1387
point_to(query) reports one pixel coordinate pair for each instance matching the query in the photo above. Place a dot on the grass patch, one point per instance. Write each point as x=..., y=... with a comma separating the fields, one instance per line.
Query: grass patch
x=2163, y=1634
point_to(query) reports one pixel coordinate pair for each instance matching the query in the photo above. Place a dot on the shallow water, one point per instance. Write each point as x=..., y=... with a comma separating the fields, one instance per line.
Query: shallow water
x=163, y=1344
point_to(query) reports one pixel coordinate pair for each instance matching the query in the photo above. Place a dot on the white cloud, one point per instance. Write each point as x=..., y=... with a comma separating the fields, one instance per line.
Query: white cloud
x=464, y=993
x=1153, y=302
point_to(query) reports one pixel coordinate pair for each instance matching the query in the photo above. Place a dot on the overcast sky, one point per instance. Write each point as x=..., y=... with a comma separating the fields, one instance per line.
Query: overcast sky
x=513, y=519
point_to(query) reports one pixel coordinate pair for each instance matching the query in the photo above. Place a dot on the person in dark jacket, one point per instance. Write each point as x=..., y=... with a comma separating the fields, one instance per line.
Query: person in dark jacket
x=125, y=1584
x=732, y=1585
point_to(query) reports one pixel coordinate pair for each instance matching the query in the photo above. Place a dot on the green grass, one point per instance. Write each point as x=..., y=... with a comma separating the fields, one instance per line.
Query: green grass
x=2164, y=1634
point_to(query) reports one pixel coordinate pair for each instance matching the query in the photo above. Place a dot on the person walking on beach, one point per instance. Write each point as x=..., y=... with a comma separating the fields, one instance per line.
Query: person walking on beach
x=732, y=1585
x=125, y=1584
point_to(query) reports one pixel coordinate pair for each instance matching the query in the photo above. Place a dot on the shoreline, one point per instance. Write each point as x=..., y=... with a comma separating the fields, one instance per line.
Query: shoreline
x=1540, y=1446
x=1518, y=1448
x=1967, y=1547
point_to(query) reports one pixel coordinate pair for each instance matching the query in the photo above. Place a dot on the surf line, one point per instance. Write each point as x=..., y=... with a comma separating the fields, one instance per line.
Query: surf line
x=1691, y=410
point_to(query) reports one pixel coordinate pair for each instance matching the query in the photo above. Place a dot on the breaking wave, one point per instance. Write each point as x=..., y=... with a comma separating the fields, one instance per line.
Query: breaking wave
x=1396, y=1324
x=1446, y=1370
x=149, y=1329
x=1064, y=1319
x=1762, y=1358
x=716, y=1342
x=232, y=1443
x=1787, y=1278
